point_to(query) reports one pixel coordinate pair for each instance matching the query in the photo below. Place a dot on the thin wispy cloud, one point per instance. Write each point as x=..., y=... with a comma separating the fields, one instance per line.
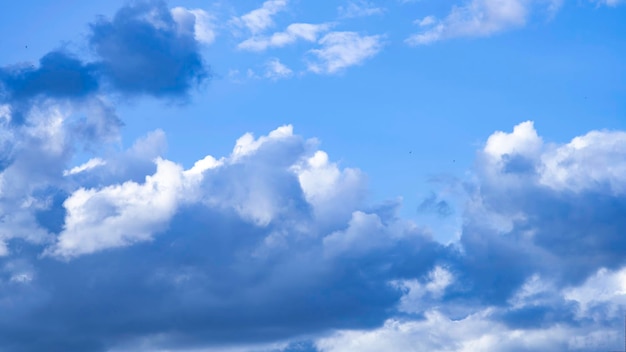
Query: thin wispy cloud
x=258, y=20
x=294, y=32
x=359, y=8
x=474, y=19
x=481, y=18
x=277, y=70
x=340, y=50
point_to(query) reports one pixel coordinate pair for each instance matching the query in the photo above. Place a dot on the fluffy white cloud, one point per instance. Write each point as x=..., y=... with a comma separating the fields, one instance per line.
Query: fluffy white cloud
x=340, y=50
x=134, y=211
x=332, y=192
x=594, y=161
x=120, y=215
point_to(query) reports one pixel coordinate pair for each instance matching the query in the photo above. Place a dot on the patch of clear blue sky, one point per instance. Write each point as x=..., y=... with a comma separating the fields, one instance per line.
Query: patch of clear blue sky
x=404, y=115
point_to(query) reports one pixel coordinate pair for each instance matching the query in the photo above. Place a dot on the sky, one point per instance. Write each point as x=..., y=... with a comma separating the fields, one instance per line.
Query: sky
x=297, y=175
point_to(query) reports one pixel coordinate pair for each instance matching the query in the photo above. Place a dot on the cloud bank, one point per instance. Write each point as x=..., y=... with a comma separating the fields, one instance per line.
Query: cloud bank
x=273, y=246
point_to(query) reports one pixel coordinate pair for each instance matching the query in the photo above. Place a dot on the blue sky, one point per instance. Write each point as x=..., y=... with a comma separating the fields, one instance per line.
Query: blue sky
x=291, y=175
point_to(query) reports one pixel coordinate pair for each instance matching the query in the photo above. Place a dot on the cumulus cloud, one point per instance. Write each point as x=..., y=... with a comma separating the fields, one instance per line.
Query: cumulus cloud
x=36, y=153
x=57, y=108
x=142, y=51
x=260, y=219
x=51, y=111
x=119, y=215
x=340, y=50
x=538, y=266
x=537, y=209
x=273, y=243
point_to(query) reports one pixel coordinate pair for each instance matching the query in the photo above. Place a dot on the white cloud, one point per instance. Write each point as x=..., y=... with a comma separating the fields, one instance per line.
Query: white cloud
x=277, y=70
x=594, y=161
x=365, y=232
x=340, y=50
x=439, y=333
x=479, y=18
x=359, y=8
x=120, y=215
x=247, y=144
x=36, y=153
x=294, y=32
x=605, y=289
x=258, y=20
x=125, y=213
x=474, y=19
x=418, y=296
x=90, y=164
x=426, y=21
x=196, y=21
x=523, y=140
x=332, y=192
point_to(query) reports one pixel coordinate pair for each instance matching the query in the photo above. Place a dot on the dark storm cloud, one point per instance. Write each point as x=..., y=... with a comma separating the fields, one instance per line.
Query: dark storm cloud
x=142, y=52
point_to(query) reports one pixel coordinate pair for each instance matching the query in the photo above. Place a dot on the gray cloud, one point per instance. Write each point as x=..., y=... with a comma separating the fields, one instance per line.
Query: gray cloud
x=142, y=51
